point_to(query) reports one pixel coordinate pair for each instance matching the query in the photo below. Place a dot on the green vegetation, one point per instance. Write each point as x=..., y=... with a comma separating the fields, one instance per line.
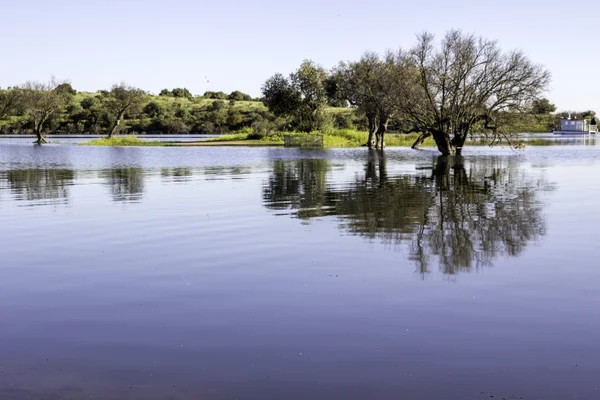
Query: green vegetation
x=124, y=141
x=125, y=110
x=333, y=138
x=478, y=95
x=448, y=90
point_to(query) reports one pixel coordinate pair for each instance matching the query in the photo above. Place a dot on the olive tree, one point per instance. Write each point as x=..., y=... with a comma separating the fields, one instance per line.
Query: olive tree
x=42, y=101
x=122, y=99
x=280, y=96
x=372, y=85
x=466, y=83
x=302, y=96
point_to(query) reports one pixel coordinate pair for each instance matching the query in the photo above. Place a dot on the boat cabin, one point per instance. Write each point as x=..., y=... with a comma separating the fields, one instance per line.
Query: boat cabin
x=575, y=126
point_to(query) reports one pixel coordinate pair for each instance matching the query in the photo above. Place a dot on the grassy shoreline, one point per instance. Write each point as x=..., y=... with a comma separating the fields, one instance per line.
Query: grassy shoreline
x=331, y=139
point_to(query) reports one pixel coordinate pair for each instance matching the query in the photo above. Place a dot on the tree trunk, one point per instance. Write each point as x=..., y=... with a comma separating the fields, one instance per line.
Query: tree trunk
x=115, y=126
x=458, y=142
x=38, y=133
x=381, y=130
x=372, y=130
x=420, y=140
x=442, y=140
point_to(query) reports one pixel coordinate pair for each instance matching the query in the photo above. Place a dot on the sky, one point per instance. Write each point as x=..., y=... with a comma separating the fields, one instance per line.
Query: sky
x=236, y=45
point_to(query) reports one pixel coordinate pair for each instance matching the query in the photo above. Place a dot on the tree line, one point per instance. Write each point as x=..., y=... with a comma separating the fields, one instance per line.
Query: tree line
x=54, y=106
x=447, y=89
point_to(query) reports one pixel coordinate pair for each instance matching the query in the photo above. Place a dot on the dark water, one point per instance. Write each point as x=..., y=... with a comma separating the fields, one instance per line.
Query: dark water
x=221, y=273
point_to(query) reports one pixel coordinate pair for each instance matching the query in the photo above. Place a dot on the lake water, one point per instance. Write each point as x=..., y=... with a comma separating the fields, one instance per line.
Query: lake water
x=262, y=273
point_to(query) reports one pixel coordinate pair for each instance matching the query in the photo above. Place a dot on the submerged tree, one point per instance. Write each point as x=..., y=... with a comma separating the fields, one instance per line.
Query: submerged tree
x=41, y=102
x=372, y=85
x=120, y=100
x=467, y=83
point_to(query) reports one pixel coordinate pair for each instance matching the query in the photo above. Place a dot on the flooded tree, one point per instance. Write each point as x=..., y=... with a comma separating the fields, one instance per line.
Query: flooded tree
x=461, y=214
x=120, y=100
x=467, y=84
x=372, y=86
x=41, y=102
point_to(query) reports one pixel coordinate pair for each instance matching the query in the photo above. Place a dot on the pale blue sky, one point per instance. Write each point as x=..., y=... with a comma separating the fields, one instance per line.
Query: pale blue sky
x=238, y=44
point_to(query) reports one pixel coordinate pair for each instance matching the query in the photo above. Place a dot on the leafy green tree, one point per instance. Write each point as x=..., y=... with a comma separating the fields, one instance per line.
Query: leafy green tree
x=302, y=97
x=120, y=100
x=67, y=88
x=542, y=106
x=93, y=114
x=234, y=118
x=310, y=80
x=42, y=102
x=88, y=103
x=280, y=95
x=239, y=96
x=165, y=92
x=215, y=95
x=8, y=102
x=371, y=84
x=153, y=110
x=219, y=118
x=182, y=92
x=217, y=105
x=177, y=126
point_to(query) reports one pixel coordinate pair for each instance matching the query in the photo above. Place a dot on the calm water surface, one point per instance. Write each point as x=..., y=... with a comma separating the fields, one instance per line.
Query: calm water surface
x=246, y=273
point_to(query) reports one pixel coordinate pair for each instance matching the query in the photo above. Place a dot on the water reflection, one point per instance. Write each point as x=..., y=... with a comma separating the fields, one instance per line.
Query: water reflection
x=176, y=174
x=230, y=172
x=299, y=185
x=126, y=184
x=461, y=214
x=38, y=186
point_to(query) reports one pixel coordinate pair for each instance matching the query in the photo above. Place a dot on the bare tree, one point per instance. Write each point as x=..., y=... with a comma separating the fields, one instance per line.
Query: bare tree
x=41, y=101
x=467, y=83
x=122, y=99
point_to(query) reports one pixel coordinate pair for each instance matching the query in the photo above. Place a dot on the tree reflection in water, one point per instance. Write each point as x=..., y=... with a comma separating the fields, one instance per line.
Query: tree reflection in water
x=126, y=184
x=462, y=214
x=40, y=186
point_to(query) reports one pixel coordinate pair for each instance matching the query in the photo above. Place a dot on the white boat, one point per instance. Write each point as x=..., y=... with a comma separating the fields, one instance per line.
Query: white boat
x=570, y=126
